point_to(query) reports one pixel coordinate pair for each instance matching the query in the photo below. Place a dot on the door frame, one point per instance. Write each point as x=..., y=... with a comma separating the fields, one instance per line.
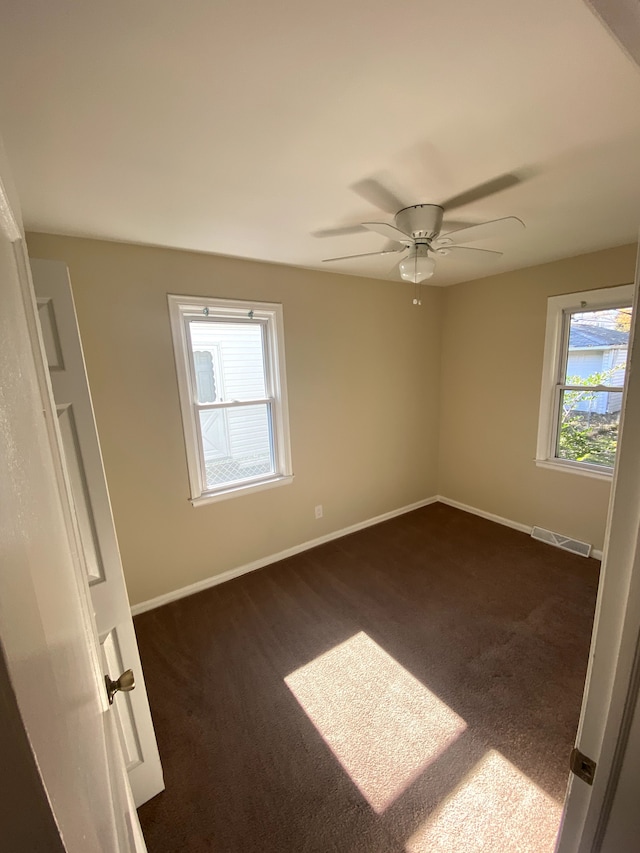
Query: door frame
x=613, y=674
x=26, y=782
x=116, y=825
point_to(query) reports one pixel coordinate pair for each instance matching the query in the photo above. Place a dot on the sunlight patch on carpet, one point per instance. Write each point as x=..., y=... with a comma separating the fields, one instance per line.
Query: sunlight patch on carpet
x=380, y=722
x=496, y=807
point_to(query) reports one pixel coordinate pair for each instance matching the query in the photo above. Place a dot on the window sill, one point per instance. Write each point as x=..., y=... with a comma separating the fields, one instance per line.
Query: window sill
x=236, y=491
x=580, y=468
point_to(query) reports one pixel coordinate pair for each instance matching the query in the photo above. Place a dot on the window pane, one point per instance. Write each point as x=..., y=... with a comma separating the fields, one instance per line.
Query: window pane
x=228, y=360
x=236, y=443
x=598, y=342
x=588, y=430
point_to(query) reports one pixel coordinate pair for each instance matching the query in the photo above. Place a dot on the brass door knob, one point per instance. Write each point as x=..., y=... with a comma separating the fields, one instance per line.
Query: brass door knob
x=125, y=683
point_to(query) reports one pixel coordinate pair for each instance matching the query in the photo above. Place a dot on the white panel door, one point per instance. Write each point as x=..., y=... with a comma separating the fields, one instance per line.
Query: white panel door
x=47, y=634
x=98, y=537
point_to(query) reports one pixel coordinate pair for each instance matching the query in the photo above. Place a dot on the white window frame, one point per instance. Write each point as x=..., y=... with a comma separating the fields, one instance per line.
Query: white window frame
x=559, y=310
x=182, y=310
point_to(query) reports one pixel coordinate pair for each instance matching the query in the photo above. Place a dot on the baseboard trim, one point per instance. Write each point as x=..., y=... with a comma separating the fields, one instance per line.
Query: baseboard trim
x=214, y=580
x=507, y=522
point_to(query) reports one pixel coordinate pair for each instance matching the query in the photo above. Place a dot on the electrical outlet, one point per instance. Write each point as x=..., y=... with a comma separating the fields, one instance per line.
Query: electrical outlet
x=319, y=511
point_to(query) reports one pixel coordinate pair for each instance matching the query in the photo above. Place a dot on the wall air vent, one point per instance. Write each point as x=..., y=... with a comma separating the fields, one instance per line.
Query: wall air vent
x=551, y=538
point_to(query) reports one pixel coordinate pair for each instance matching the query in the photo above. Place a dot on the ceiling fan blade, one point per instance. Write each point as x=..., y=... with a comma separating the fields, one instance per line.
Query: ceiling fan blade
x=364, y=255
x=495, y=185
x=483, y=231
x=455, y=225
x=378, y=195
x=389, y=231
x=339, y=231
x=467, y=253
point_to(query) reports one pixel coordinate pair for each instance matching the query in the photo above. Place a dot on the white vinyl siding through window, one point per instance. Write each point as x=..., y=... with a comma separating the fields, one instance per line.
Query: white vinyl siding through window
x=230, y=363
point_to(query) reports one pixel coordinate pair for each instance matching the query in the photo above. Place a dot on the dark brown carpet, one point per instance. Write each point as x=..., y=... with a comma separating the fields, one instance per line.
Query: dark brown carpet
x=483, y=628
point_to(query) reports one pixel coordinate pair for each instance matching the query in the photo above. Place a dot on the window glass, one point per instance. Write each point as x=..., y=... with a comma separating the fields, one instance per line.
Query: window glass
x=229, y=360
x=596, y=357
x=588, y=428
x=598, y=342
x=236, y=443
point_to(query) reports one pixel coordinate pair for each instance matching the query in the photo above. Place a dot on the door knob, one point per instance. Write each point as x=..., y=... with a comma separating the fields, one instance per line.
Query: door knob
x=126, y=682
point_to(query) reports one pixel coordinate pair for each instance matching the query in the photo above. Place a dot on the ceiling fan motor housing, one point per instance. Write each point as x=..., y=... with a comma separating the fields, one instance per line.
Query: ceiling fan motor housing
x=420, y=220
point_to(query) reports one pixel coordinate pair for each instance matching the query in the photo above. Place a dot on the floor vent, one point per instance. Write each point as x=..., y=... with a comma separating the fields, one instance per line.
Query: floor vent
x=551, y=538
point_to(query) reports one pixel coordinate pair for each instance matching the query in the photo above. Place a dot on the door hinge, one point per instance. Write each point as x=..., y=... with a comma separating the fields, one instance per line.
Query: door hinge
x=583, y=766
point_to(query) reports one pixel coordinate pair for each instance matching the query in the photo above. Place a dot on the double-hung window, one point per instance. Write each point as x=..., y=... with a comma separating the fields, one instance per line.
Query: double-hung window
x=585, y=361
x=232, y=385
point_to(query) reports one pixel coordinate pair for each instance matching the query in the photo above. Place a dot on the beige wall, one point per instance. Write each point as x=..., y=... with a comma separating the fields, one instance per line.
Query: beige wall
x=493, y=340
x=363, y=379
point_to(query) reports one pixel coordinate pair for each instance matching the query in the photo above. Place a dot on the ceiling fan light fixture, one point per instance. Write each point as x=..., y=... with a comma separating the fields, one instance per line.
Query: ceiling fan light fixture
x=417, y=266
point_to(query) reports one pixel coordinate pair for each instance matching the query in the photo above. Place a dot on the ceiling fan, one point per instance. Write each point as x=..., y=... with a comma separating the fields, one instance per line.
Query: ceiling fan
x=419, y=229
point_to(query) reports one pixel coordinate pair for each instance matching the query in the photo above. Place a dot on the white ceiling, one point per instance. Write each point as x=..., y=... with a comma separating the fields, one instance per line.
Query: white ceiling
x=238, y=126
